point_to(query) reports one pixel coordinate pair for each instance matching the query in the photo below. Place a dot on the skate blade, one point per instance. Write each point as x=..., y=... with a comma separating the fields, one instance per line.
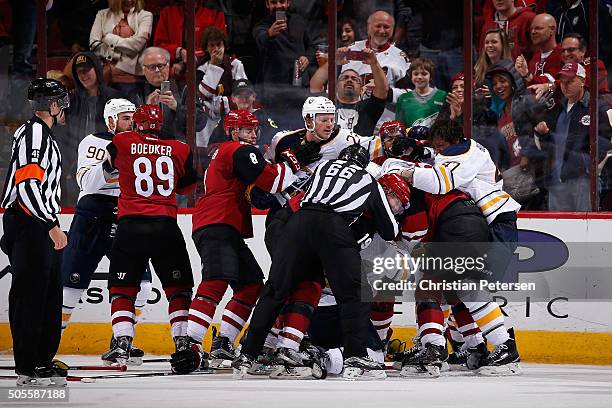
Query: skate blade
x=134, y=361
x=220, y=363
x=358, y=374
x=34, y=382
x=240, y=373
x=427, y=371
x=506, y=370
x=117, y=362
x=261, y=369
x=457, y=367
x=280, y=372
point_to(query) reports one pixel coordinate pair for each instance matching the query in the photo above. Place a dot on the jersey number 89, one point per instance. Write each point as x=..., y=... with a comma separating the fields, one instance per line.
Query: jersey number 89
x=145, y=179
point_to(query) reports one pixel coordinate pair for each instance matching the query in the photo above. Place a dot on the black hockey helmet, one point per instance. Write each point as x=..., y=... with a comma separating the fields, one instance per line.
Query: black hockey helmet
x=42, y=92
x=418, y=132
x=356, y=154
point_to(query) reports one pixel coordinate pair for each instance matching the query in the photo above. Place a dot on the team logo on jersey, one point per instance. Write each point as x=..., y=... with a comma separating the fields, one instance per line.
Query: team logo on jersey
x=75, y=278
x=586, y=120
x=176, y=274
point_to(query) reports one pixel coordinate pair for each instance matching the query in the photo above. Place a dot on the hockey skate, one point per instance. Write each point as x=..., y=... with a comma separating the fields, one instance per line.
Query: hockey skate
x=363, y=368
x=264, y=363
x=502, y=361
x=427, y=362
x=400, y=358
x=189, y=356
x=307, y=364
x=241, y=366
x=136, y=354
x=222, y=351
x=119, y=354
x=51, y=376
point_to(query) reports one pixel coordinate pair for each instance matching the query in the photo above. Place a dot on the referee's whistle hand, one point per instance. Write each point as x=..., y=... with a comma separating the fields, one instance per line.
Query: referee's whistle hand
x=59, y=238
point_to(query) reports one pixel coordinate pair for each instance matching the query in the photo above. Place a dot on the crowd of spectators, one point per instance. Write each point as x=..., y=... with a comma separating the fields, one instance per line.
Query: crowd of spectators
x=396, y=59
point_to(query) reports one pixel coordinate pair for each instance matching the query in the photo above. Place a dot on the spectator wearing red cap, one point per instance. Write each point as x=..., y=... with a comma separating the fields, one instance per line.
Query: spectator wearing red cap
x=564, y=135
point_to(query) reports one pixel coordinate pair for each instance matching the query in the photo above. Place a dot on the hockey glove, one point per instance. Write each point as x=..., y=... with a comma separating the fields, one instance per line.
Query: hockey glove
x=406, y=146
x=186, y=361
x=302, y=155
x=260, y=199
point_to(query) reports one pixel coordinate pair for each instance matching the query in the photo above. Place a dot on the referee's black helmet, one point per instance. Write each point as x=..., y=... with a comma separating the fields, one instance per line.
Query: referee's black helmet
x=42, y=92
x=356, y=154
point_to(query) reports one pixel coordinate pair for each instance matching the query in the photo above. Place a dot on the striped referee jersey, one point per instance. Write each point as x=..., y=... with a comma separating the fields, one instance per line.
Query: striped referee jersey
x=33, y=179
x=349, y=190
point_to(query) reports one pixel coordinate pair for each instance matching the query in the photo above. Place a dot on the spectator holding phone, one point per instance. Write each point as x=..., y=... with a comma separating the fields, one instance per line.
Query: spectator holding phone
x=392, y=60
x=282, y=39
x=160, y=89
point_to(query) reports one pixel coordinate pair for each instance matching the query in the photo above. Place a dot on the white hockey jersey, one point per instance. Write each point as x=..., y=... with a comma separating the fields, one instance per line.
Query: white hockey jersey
x=215, y=104
x=469, y=169
x=90, y=175
x=393, y=61
x=330, y=149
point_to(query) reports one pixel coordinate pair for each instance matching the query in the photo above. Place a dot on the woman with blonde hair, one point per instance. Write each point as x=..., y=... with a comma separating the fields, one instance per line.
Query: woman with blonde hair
x=496, y=48
x=118, y=36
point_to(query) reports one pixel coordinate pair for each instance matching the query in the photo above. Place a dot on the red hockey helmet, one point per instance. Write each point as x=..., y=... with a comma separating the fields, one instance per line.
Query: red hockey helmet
x=148, y=118
x=237, y=119
x=392, y=183
x=392, y=127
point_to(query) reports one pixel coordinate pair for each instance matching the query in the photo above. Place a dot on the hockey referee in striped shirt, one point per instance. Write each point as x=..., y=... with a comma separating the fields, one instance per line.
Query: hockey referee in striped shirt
x=317, y=238
x=32, y=238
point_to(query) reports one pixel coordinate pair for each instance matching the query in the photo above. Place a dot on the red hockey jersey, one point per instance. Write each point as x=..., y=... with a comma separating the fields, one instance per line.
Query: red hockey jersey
x=233, y=167
x=151, y=172
x=544, y=70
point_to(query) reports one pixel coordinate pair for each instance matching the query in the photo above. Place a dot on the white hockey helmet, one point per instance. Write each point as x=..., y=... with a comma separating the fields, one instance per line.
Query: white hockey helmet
x=317, y=104
x=114, y=107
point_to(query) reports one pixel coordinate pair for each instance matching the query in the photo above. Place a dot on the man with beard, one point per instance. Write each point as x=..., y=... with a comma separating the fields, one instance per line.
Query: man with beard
x=354, y=112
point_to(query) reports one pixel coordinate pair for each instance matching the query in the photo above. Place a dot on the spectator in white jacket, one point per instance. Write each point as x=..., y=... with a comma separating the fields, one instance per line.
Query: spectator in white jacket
x=216, y=76
x=118, y=36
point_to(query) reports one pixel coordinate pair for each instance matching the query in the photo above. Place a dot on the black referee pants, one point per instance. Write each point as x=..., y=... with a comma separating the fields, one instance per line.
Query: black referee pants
x=313, y=241
x=35, y=298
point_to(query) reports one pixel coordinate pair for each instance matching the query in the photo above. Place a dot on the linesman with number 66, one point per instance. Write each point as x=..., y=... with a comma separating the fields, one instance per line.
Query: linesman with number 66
x=151, y=172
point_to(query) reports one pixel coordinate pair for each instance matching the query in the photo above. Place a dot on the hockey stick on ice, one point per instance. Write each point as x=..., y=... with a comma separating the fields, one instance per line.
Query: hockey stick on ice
x=5, y=271
x=82, y=368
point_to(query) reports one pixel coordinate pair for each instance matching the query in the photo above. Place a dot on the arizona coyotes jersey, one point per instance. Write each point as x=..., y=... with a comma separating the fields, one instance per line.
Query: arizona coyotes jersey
x=233, y=167
x=392, y=60
x=90, y=175
x=467, y=166
x=151, y=172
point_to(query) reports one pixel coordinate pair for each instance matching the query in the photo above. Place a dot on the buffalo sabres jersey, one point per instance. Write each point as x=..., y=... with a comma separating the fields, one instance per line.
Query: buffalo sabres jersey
x=90, y=175
x=467, y=167
x=330, y=148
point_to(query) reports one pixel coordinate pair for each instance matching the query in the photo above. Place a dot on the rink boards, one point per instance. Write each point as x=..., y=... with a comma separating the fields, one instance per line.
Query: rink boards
x=568, y=320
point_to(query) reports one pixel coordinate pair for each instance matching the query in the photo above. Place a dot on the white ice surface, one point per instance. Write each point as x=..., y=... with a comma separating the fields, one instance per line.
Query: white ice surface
x=540, y=386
